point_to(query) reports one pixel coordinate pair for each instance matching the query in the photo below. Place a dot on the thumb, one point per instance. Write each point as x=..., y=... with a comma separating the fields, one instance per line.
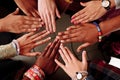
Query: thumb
x=16, y=11
x=83, y=46
x=83, y=4
x=84, y=57
x=57, y=13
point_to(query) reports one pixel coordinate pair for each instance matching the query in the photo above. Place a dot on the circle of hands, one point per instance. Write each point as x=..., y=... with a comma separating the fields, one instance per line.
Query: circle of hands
x=36, y=17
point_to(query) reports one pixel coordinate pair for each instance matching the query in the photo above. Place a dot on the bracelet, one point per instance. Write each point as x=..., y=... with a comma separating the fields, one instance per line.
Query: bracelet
x=99, y=31
x=35, y=73
x=16, y=45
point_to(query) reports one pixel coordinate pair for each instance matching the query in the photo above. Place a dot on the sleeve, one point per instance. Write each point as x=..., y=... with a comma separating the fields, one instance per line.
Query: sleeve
x=117, y=3
x=7, y=51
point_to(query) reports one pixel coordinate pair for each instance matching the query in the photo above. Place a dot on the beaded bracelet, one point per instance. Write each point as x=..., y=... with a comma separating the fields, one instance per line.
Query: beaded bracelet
x=35, y=73
x=99, y=31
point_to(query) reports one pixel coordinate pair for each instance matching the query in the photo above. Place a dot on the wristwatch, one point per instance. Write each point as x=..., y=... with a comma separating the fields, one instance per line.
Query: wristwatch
x=80, y=75
x=106, y=4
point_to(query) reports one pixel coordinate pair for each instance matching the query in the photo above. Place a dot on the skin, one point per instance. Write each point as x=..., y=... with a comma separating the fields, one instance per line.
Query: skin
x=91, y=12
x=46, y=60
x=18, y=23
x=71, y=62
x=28, y=7
x=48, y=12
x=87, y=32
x=30, y=40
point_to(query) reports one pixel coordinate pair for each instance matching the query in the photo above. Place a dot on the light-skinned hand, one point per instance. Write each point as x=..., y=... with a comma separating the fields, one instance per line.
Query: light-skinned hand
x=71, y=62
x=48, y=12
x=93, y=10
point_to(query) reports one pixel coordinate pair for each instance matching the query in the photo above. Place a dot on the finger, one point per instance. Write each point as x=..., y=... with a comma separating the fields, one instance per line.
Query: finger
x=34, y=13
x=79, y=18
x=83, y=46
x=39, y=37
x=55, y=50
x=32, y=54
x=78, y=14
x=57, y=13
x=53, y=23
x=28, y=13
x=29, y=30
x=70, y=54
x=49, y=18
x=16, y=11
x=83, y=4
x=63, y=56
x=42, y=41
x=68, y=35
x=84, y=19
x=29, y=34
x=59, y=64
x=72, y=27
x=65, y=53
x=84, y=57
x=46, y=23
x=38, y=34
x=51, y=48
x=56, y=68
x=74, y=39
x=46, y=49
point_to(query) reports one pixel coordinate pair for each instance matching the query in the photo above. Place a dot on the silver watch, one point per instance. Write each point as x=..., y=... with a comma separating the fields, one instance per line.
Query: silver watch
x=80, y=75
x=106, y=4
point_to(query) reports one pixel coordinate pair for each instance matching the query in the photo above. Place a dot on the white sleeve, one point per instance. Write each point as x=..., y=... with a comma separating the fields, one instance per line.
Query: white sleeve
x=117, y=3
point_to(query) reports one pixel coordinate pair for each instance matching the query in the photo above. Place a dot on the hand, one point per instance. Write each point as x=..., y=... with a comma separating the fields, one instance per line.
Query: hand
x=46, y=60
x=28, y=41
x=29, y=7
x=71, y=62
x=18, y=23
x=85, y=33
x=93, y=10
x=48, y=12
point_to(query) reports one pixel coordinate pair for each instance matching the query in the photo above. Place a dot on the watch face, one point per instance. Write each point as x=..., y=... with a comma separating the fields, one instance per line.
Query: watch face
x=79, y=76
x=105, y=3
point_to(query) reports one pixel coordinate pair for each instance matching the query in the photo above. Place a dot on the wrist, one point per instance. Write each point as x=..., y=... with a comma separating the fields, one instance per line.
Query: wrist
x=2, y=27
x=16, y=45
x=80, y=75
x=99, y=31
x=35, y=73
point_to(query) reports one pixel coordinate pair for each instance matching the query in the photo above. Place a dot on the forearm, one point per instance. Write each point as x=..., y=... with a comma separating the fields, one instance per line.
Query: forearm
x=7, y=51
x=1, y=26
x=110, y=25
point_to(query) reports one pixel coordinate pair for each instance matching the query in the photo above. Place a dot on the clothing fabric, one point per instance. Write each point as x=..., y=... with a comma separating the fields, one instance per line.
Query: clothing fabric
x=100, y=70
x=7, y=51
x=117, y=3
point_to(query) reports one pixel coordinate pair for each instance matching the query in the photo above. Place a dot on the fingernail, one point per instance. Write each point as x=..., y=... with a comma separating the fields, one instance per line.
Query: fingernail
x=62, y=41
x=49, y=37
x=57, y=37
